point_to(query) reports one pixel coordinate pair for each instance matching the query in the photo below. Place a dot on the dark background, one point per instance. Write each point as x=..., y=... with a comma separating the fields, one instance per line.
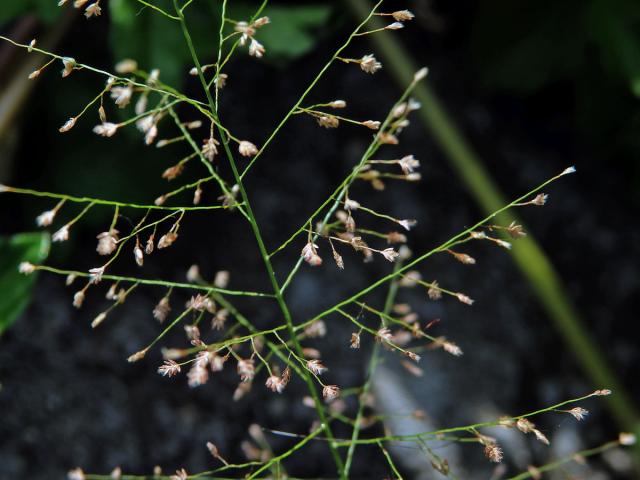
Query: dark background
x=533, y=86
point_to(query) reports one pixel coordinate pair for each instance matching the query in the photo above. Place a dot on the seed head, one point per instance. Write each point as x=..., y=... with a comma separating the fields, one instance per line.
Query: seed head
x=220, y=81
x=69, y=64
x=180, y=475
x=540, y=199
x=68, y=125
x=316, y=367
x=125, y=66
x=107, y=242
x=493, y=452
x=209, y=149
x=396, y=237
x=310, y=254
x=61, y=235
x=407, y=224
x=76, y=474
x=464, y=299
x=403, y=15
x=221, y=279
x=330, y=392
x=138, y=254
x=408, y=164
x=95, y=275
x=355, y=340
x=390, y=254
x=275, y=384
x=247, y=149
x=627, y=439
x=316, y=329
x=602, y=393
x=350, y=204
x=516, y=231
x=167, y=240
x=337, y=104
x=394, y=26
x=369, y=64
x=106, y=129
x=26, y=268
x=434, y=291
x=372, y=124
x=464, y=258
x=162, y=309
x=246, y=370
x=328, y=121
x=138, y=355
x=198, y=375
x=256, y=49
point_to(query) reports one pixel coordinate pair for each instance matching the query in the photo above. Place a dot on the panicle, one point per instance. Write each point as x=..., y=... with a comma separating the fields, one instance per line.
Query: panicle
x=169, y=368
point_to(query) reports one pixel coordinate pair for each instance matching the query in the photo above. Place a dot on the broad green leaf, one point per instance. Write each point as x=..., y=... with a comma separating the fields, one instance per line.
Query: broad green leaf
x=15, y=287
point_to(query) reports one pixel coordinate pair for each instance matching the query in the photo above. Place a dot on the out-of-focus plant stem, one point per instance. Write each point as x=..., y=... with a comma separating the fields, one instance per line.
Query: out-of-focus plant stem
x=529, y=257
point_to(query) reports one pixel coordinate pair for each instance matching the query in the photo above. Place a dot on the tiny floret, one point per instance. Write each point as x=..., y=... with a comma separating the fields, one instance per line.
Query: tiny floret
x=106, y=129
x=247, y=149
x=402, y=15
x=69, y=124
x=330, y=392
x=26, y=268
x=61, y=235
x=46, y=218
x=394, y=26
x=627, y=439
x=369, y=64
x=69, y=64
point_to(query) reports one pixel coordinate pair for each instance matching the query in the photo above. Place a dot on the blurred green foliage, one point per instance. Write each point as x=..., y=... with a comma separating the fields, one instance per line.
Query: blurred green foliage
x=527, y=45
x=16, y=287
x=46, y=10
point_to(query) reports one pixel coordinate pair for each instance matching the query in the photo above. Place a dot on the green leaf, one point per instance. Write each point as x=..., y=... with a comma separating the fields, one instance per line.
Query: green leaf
x=15, y=286
x=46, y=10
x=293, y=31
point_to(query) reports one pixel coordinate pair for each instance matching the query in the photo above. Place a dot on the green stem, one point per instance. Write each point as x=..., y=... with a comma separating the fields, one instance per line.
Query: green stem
x=99, y=201
x=529, y=256
x=261, y=246
x=143, y=281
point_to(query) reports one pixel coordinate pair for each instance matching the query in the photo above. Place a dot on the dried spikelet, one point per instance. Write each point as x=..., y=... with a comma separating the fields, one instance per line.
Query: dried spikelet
x=138, y=355
x=330, y=392
x=369, y=64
